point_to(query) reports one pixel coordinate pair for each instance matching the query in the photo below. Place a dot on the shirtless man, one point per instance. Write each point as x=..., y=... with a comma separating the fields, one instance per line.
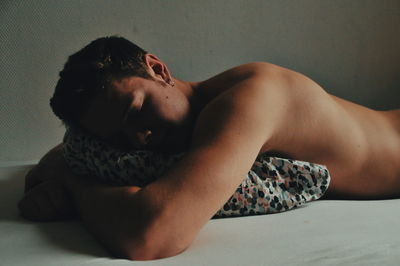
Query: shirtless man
x=222, y=123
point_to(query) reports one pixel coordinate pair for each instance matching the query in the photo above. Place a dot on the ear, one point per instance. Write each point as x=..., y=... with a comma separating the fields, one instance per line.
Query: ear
x=157, y=68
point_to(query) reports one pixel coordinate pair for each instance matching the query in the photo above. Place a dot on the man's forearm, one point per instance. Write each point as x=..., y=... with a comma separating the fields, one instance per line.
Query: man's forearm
x=113, y=214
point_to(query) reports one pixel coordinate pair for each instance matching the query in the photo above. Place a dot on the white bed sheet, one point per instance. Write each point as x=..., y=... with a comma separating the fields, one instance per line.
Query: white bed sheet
x=320, y=233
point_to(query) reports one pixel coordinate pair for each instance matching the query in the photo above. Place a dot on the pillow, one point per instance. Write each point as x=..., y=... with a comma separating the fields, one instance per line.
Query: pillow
x=271, y=185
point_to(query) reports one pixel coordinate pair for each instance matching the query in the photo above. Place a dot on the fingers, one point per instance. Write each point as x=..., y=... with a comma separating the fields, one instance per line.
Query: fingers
x=32, y=179
x=47, y=201
x=61, y=202
x=35, y=208
x=51, y=166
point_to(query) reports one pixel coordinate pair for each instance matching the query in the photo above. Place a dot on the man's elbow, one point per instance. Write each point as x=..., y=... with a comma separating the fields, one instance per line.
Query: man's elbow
x=150, y=253
x=151, y=248
x=143, y=255
x=154, y=237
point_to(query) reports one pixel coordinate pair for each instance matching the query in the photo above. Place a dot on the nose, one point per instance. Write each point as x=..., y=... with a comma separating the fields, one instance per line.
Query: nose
x=144, y=137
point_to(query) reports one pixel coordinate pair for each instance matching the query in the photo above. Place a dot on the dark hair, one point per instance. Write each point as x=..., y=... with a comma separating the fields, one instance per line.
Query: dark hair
x=88, y=72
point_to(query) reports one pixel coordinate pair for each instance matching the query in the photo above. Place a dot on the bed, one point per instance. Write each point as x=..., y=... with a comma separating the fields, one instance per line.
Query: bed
x=324, y=232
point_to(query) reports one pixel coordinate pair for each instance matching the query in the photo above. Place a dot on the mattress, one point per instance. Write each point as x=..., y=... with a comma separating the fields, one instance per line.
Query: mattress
x=324, y=232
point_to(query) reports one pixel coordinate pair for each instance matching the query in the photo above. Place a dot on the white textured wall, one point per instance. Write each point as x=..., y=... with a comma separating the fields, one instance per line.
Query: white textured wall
x=352, y=48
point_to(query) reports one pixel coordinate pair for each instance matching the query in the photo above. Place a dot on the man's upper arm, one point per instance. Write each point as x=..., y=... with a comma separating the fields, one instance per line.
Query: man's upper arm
x=227, y=139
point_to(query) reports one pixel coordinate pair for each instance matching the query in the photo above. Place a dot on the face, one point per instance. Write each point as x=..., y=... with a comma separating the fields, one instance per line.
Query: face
x=138, y=113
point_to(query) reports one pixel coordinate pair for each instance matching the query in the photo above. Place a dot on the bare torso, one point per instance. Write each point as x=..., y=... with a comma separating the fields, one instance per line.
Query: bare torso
x=360, y=146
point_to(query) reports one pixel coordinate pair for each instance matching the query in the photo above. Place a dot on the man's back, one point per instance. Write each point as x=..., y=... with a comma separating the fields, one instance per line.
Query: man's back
x=378, y=175
x=360, y=146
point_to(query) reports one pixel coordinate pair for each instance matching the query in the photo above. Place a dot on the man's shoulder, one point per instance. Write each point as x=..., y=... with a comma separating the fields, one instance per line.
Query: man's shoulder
x=272, y=100
x=259, y=67
x=254, y=88
x=242, y=72
x=255, y=104
x=254, y=75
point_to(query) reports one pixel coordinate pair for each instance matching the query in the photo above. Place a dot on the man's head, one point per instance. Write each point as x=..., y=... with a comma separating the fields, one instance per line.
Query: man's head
x=117, y=91
x=90, y=71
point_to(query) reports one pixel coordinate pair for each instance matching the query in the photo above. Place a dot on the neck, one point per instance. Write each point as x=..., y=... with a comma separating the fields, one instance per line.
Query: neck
x=192, y=92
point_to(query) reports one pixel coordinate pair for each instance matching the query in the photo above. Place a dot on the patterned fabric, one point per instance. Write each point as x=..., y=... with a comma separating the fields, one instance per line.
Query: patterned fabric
x=272, y=185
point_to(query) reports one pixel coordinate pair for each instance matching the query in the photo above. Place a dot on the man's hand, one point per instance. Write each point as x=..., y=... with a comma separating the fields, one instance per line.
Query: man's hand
x=46, y=197
x=48, y=201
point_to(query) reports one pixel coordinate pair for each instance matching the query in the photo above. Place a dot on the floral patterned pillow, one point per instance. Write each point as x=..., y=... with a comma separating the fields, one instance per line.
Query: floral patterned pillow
x=272, y=184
